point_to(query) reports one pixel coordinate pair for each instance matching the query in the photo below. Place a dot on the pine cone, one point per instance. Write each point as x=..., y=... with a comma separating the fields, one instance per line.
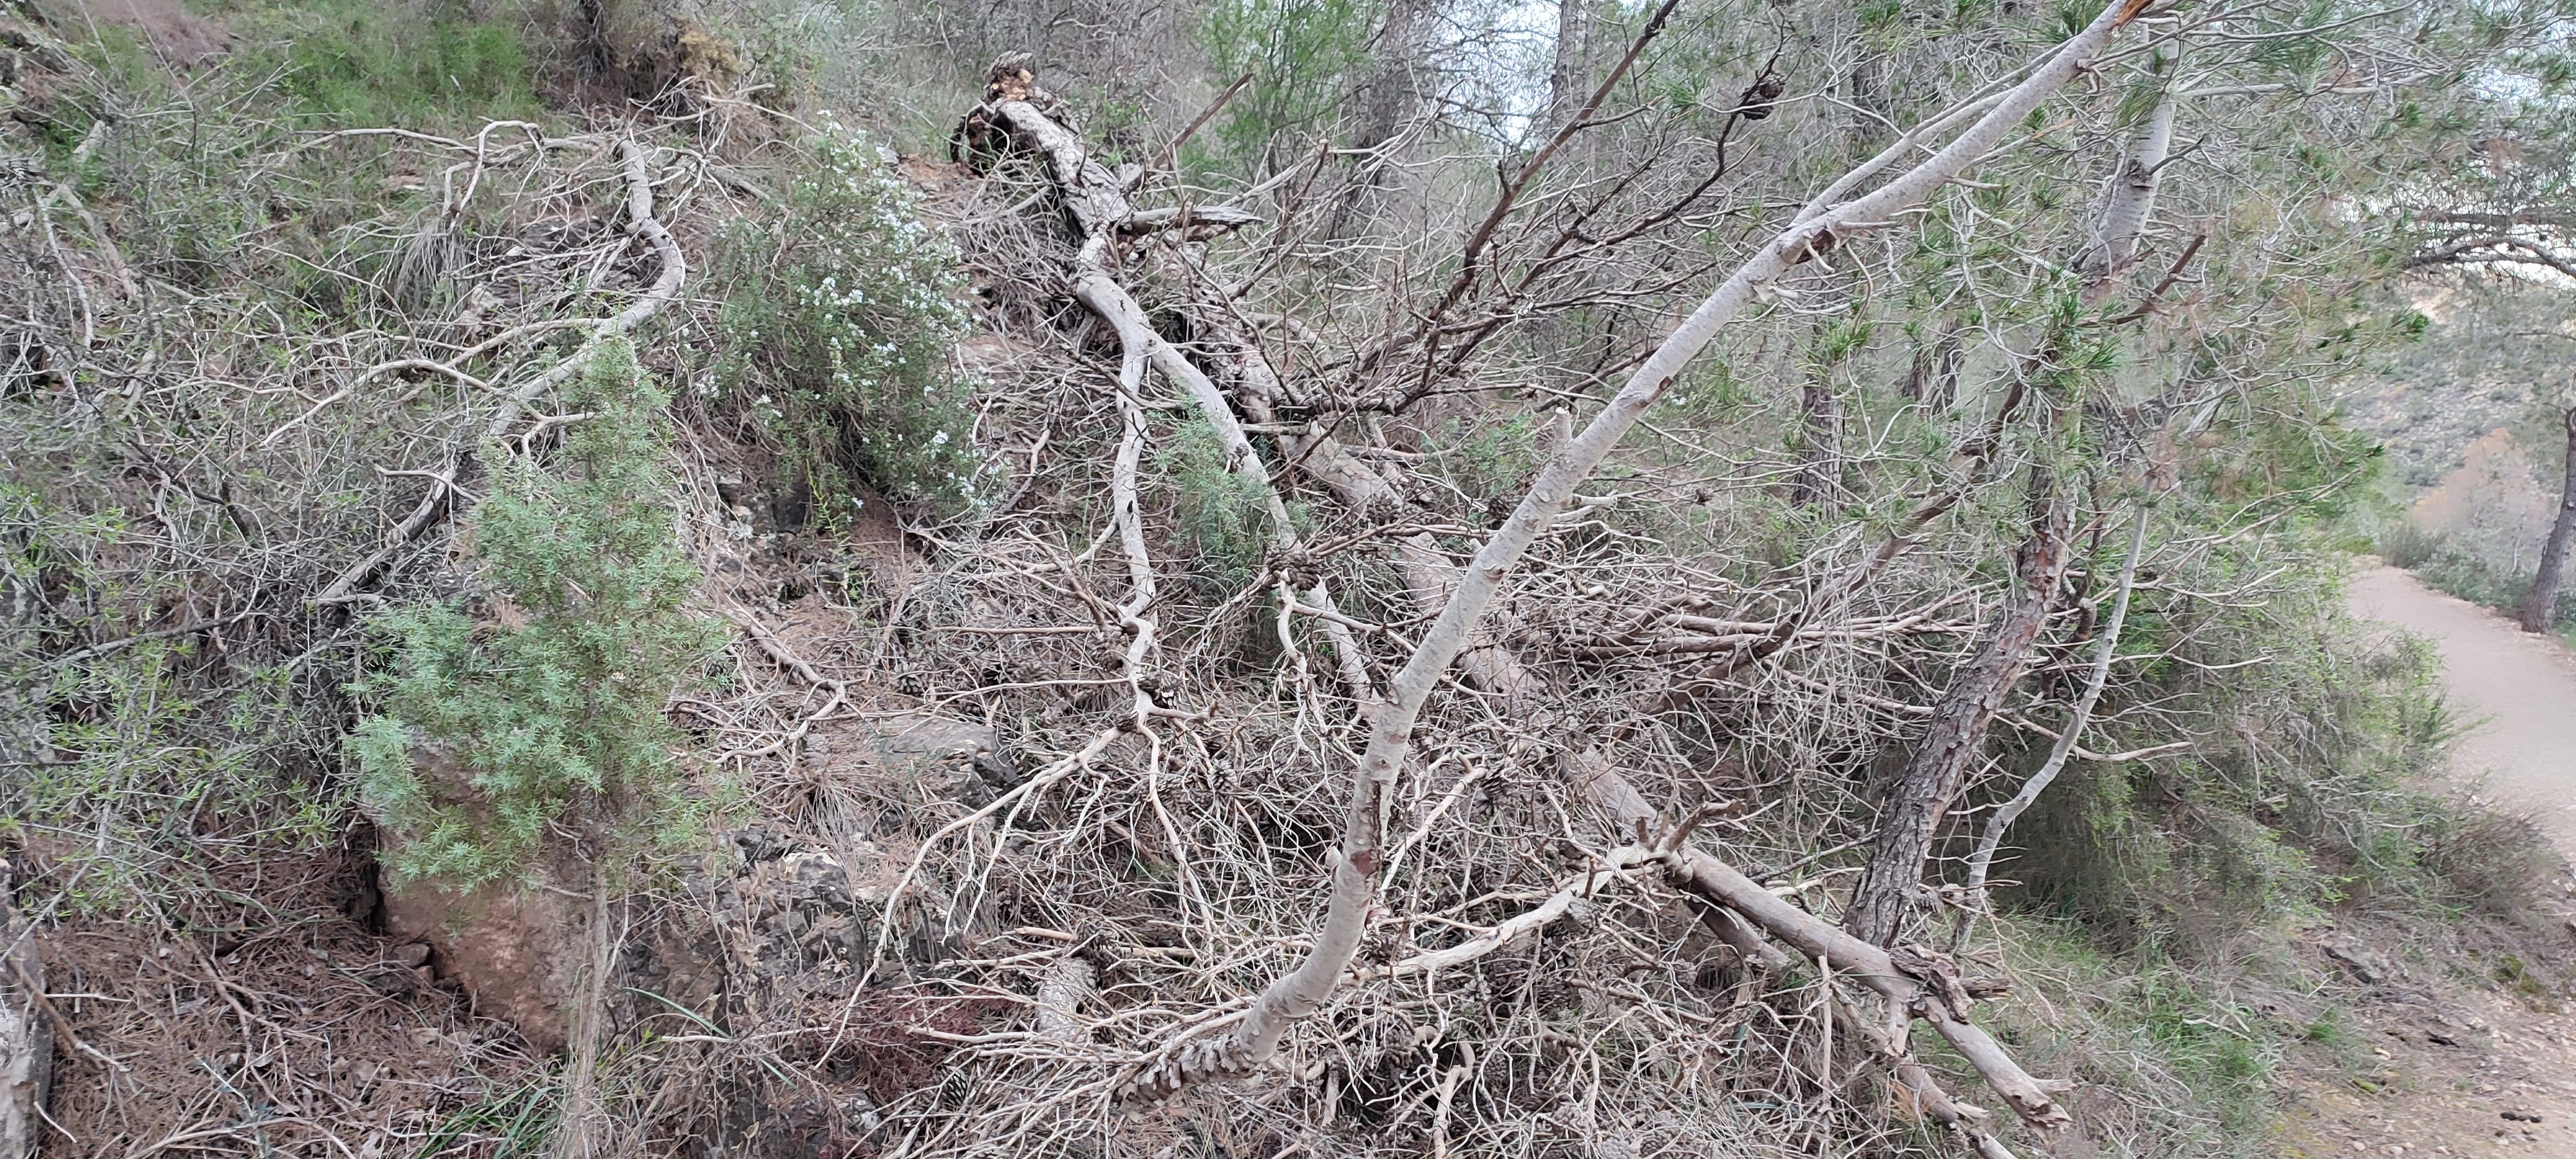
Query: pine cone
x=1754, y=103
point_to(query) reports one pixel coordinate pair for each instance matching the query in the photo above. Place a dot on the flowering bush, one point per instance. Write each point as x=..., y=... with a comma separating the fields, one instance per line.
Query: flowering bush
x=842, y=311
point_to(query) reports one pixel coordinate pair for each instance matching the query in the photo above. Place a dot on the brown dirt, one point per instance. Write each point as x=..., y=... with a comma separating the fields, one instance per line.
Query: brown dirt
x=281, y=1028
x=515, y=950
x=2442, y=1067
x=178, y=35
x=2504, y=1083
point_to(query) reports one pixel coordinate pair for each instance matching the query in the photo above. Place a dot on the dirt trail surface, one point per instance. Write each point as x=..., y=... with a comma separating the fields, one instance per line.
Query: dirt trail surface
x=2472, y=1073
x=2518, y=688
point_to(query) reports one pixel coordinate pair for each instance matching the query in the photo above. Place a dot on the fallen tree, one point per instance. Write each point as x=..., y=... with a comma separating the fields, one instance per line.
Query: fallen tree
x=1095, y=203
x=1825, y=226
x=1116, y=884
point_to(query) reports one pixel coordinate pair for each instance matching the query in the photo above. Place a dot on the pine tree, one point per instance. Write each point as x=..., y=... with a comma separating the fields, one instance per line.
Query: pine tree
x=545, y=712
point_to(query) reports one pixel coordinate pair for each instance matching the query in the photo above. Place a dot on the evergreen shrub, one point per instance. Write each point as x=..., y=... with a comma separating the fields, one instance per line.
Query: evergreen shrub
x=544, y=713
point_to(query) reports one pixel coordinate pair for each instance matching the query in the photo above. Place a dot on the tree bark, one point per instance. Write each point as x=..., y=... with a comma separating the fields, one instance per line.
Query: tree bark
x=1983, y=858
x=1915, y=985
x=1933, y=377
x=2540, y=604
x=1097, y=203
x=1957, y=732
x=1386, y=104
x=1565, y=87
x=1820, y=454
x=26, y=1032
x=2128, y=203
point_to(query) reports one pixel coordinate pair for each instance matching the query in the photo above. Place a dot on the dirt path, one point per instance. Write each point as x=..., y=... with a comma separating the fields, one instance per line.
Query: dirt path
x=2517, y=689
x=2459, y=1071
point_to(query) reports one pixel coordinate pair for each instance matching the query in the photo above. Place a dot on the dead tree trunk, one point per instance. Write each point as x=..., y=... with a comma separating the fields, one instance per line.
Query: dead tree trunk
x=1913, y=984
x=26, y=1029
x=1834, y=217
x=1957, y=731
x=442, y=501
x=1097, y=203
x=2540, y=604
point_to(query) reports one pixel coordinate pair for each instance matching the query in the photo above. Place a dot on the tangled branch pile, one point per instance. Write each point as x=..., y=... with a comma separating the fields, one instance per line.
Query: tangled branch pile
x=1563, y=634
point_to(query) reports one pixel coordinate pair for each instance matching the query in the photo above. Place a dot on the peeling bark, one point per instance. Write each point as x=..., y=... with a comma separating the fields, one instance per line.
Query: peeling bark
x=1957, y=732
x=2001, y=821
x=1067, y=985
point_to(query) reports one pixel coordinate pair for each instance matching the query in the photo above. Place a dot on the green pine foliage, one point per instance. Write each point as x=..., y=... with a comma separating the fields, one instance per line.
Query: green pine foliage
x=843, y=310
x=1217, y=512
x=545, y=713
x=1302, y=56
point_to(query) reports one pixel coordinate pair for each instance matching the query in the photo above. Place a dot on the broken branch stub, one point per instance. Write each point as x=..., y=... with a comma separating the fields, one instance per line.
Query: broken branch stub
x=1918, y=982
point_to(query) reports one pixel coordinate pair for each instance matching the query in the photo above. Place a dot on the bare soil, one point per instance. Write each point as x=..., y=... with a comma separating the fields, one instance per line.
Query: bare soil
x=262, y=1029
x=178, y=36
x=2434, y=1066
